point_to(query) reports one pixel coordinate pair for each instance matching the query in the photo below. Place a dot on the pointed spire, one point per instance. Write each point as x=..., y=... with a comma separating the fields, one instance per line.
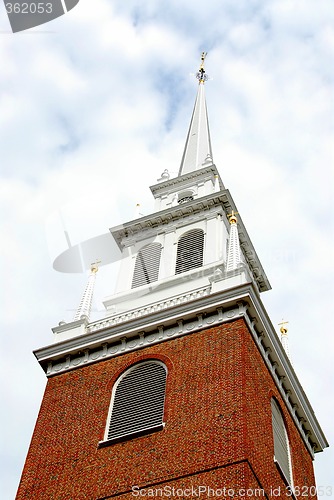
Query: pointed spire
x=233, y=252
x=284, y=337
x=197, y=152
x=85, y=306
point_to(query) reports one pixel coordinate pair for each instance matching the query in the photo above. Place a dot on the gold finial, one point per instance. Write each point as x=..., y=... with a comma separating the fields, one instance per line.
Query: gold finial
x=232, y=217
x=94, y=267
x=201, y=75
x=283, y=328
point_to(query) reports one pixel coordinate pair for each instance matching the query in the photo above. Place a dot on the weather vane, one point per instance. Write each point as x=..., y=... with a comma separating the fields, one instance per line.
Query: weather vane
x=283, y=328
x=201, y=75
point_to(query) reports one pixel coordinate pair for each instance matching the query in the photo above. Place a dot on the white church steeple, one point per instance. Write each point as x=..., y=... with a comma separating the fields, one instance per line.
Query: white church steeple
x=188, y=243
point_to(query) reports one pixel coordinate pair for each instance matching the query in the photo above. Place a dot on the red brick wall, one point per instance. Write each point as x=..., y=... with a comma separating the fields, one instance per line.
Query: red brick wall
x=226, y=481
x=258, y=391
x=218, y=425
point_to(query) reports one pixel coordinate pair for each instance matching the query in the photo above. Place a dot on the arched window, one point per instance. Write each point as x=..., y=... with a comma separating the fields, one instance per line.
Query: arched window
x=185, y=196
x=281, y=442
x=137, y=405
x=189, y=253
x=147, y=265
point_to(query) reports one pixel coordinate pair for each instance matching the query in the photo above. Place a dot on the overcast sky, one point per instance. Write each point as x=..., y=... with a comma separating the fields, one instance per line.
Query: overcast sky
x=96, y=104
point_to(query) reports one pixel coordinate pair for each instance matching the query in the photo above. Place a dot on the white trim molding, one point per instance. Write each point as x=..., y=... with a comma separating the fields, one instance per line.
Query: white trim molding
x=202, y=309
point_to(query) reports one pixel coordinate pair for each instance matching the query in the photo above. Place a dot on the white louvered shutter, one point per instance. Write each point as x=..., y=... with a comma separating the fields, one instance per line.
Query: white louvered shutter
x=147, y=265
x=189, y=251
x=281, y=442
x=138, y=404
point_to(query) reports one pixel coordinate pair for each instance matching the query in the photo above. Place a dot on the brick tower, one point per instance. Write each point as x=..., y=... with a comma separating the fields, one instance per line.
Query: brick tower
x=183, y=389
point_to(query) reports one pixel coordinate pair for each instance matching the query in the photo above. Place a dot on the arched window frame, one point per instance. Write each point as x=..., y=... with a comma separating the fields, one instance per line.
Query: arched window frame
x=282, y=450
x=185, y=196
x=145, y=429
x=183, y=265
x=147, y=265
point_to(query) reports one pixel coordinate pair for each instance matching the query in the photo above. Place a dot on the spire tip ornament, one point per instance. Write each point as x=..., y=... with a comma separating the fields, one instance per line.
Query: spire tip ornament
x=284, y=337
x=201, y=75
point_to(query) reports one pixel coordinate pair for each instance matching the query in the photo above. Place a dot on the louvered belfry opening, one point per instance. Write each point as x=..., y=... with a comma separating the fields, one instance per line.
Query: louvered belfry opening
x=281, y=442
x=138, y=404
x=189, y=251
x=147, y=265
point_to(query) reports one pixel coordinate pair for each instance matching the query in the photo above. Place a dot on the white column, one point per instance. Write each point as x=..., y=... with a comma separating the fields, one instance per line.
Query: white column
x=168, y=256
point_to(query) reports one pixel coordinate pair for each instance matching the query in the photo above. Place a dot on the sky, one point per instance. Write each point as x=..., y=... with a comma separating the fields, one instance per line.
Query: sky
x=96, y=104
